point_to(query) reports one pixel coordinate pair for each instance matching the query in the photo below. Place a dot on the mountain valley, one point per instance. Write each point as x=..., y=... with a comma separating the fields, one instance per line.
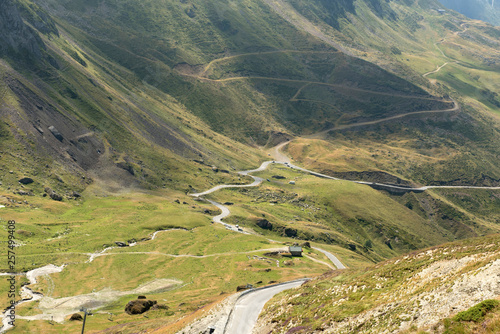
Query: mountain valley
x=113, y=114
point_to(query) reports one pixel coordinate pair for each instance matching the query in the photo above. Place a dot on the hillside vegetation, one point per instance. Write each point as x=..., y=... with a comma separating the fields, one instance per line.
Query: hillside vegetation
x=428, y=291
x=112, y=112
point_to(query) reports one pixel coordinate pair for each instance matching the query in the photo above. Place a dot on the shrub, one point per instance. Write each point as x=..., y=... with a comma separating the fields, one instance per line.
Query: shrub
x=477, y=312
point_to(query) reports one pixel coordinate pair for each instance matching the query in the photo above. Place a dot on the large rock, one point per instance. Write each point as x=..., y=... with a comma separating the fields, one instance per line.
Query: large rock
x=265, y=224
x=290, y=232
x=139, y=306
x=16, y=37
x=55, y=196
x=76, y=317
x=56, y=133
x=26, y=180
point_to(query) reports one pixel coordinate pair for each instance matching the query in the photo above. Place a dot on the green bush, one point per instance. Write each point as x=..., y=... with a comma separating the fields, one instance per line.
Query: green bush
x=477, y=312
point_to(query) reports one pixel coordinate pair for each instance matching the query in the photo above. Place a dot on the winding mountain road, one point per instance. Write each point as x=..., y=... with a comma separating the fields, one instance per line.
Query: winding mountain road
x=284, y=160
x=332, y=258
x=248, y=307
x=455, y=107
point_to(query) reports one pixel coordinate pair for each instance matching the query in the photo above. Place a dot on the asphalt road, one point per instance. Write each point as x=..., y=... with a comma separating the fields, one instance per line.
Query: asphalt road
x=248, y=307
x=332, y=258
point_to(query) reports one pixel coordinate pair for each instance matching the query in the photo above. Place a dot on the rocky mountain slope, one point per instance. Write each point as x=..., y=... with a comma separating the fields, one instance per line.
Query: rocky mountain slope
x=417, y=293
x=115, y=74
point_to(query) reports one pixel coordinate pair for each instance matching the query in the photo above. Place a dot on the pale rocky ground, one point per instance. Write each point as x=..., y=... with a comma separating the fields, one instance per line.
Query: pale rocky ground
x=216, y=317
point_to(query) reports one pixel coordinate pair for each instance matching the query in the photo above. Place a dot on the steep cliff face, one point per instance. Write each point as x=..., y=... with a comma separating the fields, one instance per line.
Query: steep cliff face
x=17, y=39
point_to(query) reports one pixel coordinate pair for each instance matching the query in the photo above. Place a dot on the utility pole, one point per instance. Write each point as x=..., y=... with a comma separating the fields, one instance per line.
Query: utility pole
x=83, y=309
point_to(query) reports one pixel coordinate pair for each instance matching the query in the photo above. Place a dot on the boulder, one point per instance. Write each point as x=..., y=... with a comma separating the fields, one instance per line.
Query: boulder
x=265, y=224
x=141, y=297
x=120, y=244
x=76, y=317
x=55, y=196
x=244, y=287
x=290, y=232
x=278, y=177
x=26, y=180
x=56, y=133
x=139, y=306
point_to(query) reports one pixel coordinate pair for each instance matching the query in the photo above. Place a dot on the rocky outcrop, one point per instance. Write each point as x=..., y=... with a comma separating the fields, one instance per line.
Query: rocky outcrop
x=139, y=306
x=265, y=224
x=25, y=193
x=52, y=194
x=56, y=133
x=17, y=39
x=38, y=18
x=290, y=232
